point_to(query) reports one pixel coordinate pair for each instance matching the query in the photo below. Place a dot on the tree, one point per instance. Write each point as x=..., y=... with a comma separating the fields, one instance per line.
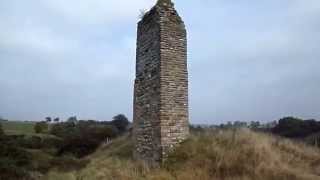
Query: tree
x=72, y=119
x=48, y=119
x=121, y=122
x=41, y=127
x=56, y=120
x=296, y=128
x=239, y=124
x=254, y=124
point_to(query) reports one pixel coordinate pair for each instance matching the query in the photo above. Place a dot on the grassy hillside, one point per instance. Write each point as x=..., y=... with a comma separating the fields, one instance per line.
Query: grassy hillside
x=18, y=127
x=225, y=155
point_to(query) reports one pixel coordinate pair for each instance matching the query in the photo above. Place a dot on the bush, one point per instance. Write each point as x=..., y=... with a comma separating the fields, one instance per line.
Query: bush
x=41, y=127
x=1, y=130
x=296, y=128
x=81, y=138
x=86, y=139
x=121, y=122
x=20, y=156
x=78, y=146
x=63, y=129
x=51, y=142
x=14, y=161
x=33, y=142
x=10, y=171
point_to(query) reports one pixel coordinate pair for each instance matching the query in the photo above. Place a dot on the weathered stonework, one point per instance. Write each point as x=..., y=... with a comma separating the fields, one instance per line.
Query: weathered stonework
x=161, y=84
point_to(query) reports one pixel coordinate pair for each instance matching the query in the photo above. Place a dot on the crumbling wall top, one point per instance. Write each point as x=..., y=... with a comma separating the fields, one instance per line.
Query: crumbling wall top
x=165, y=3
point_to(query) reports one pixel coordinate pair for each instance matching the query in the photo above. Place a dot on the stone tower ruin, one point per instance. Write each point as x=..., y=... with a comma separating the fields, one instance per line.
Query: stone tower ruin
x=161, y=84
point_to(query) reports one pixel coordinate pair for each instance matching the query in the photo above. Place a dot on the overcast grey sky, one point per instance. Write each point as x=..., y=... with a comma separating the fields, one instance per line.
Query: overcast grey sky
x=248, y=60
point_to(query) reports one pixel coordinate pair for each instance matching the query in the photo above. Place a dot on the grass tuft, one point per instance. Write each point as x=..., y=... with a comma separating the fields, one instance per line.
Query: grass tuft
x=216, y=155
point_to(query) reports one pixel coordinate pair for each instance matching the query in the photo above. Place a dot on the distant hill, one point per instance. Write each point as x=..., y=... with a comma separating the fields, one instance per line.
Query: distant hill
x=228, y=155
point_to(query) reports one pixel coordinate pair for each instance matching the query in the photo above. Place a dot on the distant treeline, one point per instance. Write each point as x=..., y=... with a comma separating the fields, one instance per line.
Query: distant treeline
x=296, y=128
x=289, y=127
x=60, y=145
x=82, y=137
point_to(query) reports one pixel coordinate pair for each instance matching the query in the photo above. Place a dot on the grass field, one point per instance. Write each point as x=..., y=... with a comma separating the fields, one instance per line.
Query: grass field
x=18, y=128
x=225, y=155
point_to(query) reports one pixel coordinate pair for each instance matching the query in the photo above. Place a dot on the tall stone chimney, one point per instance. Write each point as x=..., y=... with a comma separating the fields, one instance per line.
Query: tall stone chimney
x=161, y=85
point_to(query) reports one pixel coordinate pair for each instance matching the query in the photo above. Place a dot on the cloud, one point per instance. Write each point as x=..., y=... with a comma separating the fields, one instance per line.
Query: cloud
x=40, y=39
x=247, y=60
x=258, y=61
x=97, y=11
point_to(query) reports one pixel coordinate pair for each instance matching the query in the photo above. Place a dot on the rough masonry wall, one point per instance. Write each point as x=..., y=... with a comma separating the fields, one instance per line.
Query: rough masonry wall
x=161, y=85
x=173, y=80
x=146, y=129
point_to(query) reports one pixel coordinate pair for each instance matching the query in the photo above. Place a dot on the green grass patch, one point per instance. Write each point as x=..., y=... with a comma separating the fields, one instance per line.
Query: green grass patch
x=18, y=128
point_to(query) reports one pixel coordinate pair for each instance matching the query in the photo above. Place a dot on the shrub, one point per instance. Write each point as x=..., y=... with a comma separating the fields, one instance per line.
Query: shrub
x=296, y=128
x=63, y=129
x=78, y=146
x=33, y=142
x=1, y=130
x=41, y=127
x=10, y=171
x=121, y=122
x=86, y=139
x=82, y=138
x=14, y=161
x=51, y=142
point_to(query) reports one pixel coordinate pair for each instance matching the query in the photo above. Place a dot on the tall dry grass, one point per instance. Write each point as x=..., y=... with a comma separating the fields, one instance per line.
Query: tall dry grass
x=221, y=155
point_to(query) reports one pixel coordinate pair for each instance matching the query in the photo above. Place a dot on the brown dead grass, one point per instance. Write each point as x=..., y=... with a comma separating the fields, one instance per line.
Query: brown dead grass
x=224, y=155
